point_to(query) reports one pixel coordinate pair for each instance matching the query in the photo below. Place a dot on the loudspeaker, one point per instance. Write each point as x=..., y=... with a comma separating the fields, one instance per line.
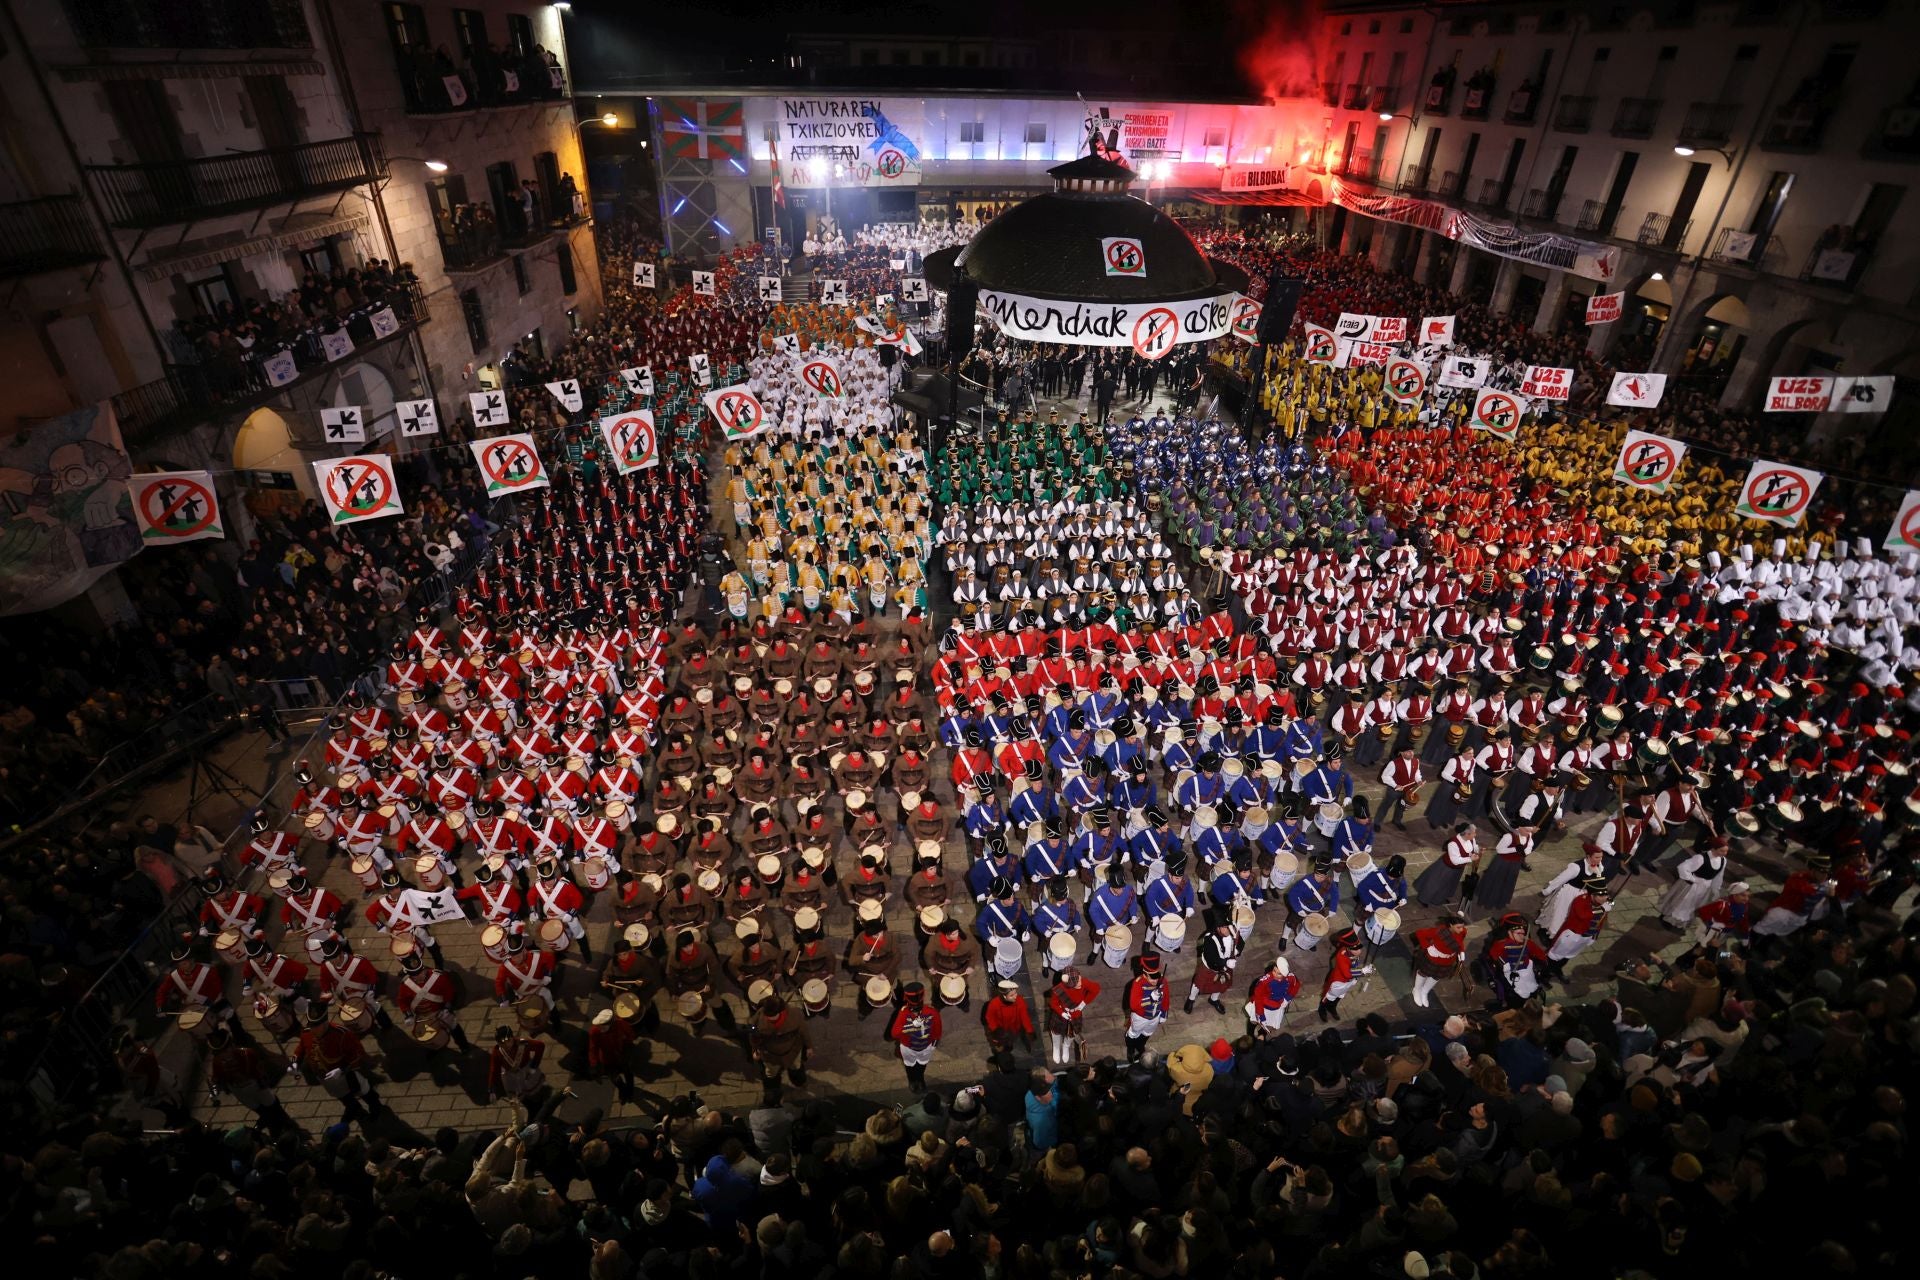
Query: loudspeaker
x=1276, y=313
x=962, y=301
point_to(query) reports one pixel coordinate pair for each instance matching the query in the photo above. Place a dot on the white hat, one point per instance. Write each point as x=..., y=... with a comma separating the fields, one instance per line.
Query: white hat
x=1281, y=967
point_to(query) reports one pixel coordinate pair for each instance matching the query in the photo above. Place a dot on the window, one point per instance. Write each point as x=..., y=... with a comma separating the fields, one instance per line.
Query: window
x=1036, y=133
x=1215, y=137
x=407, y=27
x=520, y=280
x=519, y=34
x=573, y=313
x=470, y=29
x=1373, y=27
x=563, y=255
x=319, y=259
x=210, y=293
x=1766, y=213
x=546, y=171
x=1346, y=28
x=973, y=131
x=1406, y=26
x=476, y=317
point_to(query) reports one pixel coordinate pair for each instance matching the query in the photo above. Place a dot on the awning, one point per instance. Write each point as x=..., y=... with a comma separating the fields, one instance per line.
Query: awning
x=1291, y=199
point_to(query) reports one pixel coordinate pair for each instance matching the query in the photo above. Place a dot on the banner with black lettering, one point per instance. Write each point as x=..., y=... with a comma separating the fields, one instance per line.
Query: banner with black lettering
x=1150, y=328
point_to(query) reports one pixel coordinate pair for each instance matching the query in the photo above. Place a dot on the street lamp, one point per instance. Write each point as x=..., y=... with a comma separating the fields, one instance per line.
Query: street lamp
x=434, y=166
x=1682, y=150
x=1388, y=117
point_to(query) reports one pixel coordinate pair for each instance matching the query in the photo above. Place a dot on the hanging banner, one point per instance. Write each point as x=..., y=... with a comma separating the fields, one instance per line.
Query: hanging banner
x=1604, y=308
x=1319, y=346
x=914, y=289
x=176, y=506
x=1352, y=324
x=360, y=487
x=1462, y=371
x=1799, y=395
x=338, y=345
x=861, y=142
x=821, y=373
x=1861, y=395
x=1777, y=493
x=712, y=129
x=1406, y=381
x=67, y=516
x=1146, y=326
x=1244, y=318
x=1361, y=354
x=1905, y=533
x=1253, y=177
x=384, y=323
x=489, y=408
x=1124, y=256
x=456, y=90
x=1370, y=328
x=643, y=275
x=509, y=464
x=702, y=369
x=417, y=417
x=703, y=283
x=279, y=368
x=638, y=382
x=1497, y=412
x=1647, y=461
x=834, y=293
x=769, y=289
x=1582, y=257
x=1637, y=390
x=1737, y=246
x=631, y=441
x=567, y=392
x=343, y=425
x=1436, y=331
x=737, y=410
x=1547, y=382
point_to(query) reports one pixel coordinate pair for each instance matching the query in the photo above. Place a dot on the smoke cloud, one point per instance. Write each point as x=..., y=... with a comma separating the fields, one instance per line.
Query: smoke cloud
x=1280, y=44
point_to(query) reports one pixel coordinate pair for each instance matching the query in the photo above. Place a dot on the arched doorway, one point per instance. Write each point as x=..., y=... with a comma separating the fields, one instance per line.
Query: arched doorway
x=1715, y=333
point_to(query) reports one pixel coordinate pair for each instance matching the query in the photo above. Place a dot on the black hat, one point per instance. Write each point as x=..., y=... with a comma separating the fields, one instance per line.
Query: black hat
x=1000, y=887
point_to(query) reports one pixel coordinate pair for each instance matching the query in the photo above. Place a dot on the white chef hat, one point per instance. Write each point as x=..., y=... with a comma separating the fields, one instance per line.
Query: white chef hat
x=1779, y=547
x=1813, y=549
x=1862, y=547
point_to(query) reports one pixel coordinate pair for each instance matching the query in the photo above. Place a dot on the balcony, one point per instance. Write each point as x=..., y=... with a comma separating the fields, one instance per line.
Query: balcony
x=1636, y=117
x=191, y=393
x=1493, y=194
x=177, y=24
x=1573, y=113
x=1896, y=136
x=1746, y=249
x=1357, y=96
x=1708, y=124
x=46, y=235
x=1523, y=104
x=1359, y=165
x=1836, y=265
x=1438, y=98
x=158, y=195
x=1657, y=230
x=1330, y=93
x=1450, y=185
x=1477, y=103
x=435, y=86
x=1538, y=203
x=1386, y=99
x=1593, y=217
x=1413, y=180
x=1797, y=126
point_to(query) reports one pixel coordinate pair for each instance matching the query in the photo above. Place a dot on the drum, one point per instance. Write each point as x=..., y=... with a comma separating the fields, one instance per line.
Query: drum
x=320, y=826
x=229, y=945
x=355, y=1015
x=390, y=816
x=456, y=820
x=402, y=945
x=1304, y=766
x=1541, y=659
x=493, y=941
x=627, y=1007
x=620, y=814
x=428, y=871
x=1115, y=943
x=783, y=690
x=197, y=1023
x=1242, y=916
x=1328, y=817
x=348, y=781
x=1782, y=816
x=407, y=697
x=1359, y=867
x=1611, y=718
x=708, y=880
x=1653, y=753
x=1286, y=870
x=1382, y=925
x=276, y=1017
x=878, y=991
x=1060, y=949
x=366, y=873
x=429, y=1034
x=856, y=800
x=637, y=936
x=1748, y=824
x=931, y=918
x=952, y=988
x=577, y=764
x=815, y=996
x=1169, y=933
x=277, y=883
x=1205, y=817
x=1006, y=955
x=532, y=1015
x=552, y=936
x=1313, y=927
x=599, y=874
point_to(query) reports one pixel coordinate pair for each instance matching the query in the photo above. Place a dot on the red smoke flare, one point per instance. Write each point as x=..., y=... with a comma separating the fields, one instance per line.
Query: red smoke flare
x=1280, y=46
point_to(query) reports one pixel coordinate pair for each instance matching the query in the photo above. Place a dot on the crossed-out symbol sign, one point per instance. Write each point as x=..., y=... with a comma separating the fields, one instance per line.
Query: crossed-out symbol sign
x=1154, y=332
x=633, y=437
x=1500, y=411
x=177, y=508
x=1246, y=316
x=737, y=411
x=820, y=375
x=1777, y=493
x=1125, y=258
x=1320, y=346
x=1648, y=462
x=1406, y=379
x=891, y=163
x=358, y=493
x=1910, y=526
x=510, y=464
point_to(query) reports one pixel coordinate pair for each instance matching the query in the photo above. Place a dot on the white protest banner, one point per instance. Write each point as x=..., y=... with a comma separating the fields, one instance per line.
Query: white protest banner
x=385, y=324
x=1462, y=371
x=279, y=368
x=509, y=464
x=1148, y=327
x=428, y=907
x=1637, y=390
x=702, y=369
x=1123, y=256
x=343, y=425
x=456, y=90
x=175, y=506
x=631, y=441
x=1604, y=308
x=1905, y=533
x=1497, y=412
x=913, y=289
x=1320, y=346
x=1777, y=492
x=1352, y=324
x=489, y=408
x=703, y=283
x=567, y=392
x=769, y=288
x=787, y=344
x=1363, y=353
x=638, y=382
x=737, y=410
x=360, y=487
x=643, y=275
x=1406, y=381
x=1648, y=461
x=1547, y=382
x=1436, y=331
x=1861, y=395
x=417, y=417
x=834, y=293
x=338, y=345
x=1245, y=318
x=1799, y=395
x=821, y=373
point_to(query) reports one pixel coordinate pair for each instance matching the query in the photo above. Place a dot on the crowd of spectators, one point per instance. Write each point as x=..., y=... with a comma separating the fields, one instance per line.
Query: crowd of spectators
x=491, y=76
